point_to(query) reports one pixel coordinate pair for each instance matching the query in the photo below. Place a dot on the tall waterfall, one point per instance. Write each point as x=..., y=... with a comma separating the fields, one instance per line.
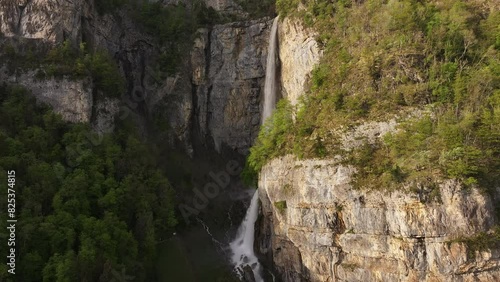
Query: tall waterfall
x=270, y=84
x=242, y=246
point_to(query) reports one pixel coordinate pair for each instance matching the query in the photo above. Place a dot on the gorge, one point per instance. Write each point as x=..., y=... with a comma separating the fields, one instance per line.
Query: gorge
x=200, y=140
x=243, y=245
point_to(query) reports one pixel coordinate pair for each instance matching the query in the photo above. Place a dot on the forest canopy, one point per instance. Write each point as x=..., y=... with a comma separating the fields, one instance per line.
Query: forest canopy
x=87, y=211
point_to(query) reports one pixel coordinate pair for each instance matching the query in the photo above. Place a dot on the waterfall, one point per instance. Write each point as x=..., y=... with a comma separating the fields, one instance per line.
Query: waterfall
x=270, y=83
x=242, y=246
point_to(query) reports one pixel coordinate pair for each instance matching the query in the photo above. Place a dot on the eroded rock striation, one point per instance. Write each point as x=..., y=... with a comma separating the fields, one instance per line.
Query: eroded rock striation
x=299, y=53
x=324, y=230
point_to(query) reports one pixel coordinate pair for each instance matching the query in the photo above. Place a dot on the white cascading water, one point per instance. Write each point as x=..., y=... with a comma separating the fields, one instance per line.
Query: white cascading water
x=242, y=246
x=270, y=83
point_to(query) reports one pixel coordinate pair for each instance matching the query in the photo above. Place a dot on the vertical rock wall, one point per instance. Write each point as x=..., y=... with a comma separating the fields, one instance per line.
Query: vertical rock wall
x=228, y=77
x=216, y=94
x=329, y=231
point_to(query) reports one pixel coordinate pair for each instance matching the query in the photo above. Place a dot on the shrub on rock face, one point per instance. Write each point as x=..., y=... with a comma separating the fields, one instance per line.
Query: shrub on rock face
x=281, y=206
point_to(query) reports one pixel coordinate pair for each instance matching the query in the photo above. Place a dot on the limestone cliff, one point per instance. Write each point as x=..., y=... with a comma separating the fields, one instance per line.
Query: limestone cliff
x=324, y=230
x=300, y=53
x=52, y=21
x=228, y=76
x=72, y=99
x=215, y=94
x=315, y=226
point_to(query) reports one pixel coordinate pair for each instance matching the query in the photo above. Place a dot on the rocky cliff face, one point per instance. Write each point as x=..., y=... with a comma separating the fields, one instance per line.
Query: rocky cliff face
x=224, y=6
x=315, y=226
x=52, y=21
x=299, y=53
x=72, y=99
x=321, y=229
x=216, y=94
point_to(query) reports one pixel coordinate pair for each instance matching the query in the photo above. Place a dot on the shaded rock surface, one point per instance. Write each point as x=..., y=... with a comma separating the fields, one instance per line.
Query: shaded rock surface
x=224, y=6
x=299, y=53
x=72, y=99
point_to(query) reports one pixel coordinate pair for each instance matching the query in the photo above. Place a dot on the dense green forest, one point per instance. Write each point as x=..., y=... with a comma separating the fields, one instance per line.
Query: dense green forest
x=438, y=61
x=89, y=208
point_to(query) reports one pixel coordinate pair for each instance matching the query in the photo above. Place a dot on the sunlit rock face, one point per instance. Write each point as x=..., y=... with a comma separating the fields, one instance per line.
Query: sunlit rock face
x=316, y=227
x=52, y=21
x=299, y=54
x=332, y=232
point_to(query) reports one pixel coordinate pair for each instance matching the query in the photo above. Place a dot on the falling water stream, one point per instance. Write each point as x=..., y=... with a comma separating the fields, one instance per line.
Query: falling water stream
x=270, y=83
x=242, y=246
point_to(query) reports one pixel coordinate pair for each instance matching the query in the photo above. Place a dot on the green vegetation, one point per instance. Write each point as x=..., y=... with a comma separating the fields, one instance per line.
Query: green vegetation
x=350, y=266
x=69, y=61
x=389, y=58
x=481, y=242
x=286, y=7
x=288, y=190
x=88, y=207
x=281, y=206
x=109, y=6
x=270, y=142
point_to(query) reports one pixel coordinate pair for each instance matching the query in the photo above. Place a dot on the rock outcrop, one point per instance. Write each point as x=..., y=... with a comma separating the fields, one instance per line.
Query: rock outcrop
x=299, y=53
x=223, y=6
x=324, y=230
x=316, y=227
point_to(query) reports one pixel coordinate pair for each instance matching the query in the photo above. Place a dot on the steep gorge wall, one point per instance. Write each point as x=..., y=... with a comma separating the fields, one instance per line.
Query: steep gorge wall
x=215, y=94
x=332, y=232
x=228, y=79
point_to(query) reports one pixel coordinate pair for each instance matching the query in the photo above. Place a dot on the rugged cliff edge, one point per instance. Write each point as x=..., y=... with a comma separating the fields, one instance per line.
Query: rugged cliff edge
x=318, y=228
